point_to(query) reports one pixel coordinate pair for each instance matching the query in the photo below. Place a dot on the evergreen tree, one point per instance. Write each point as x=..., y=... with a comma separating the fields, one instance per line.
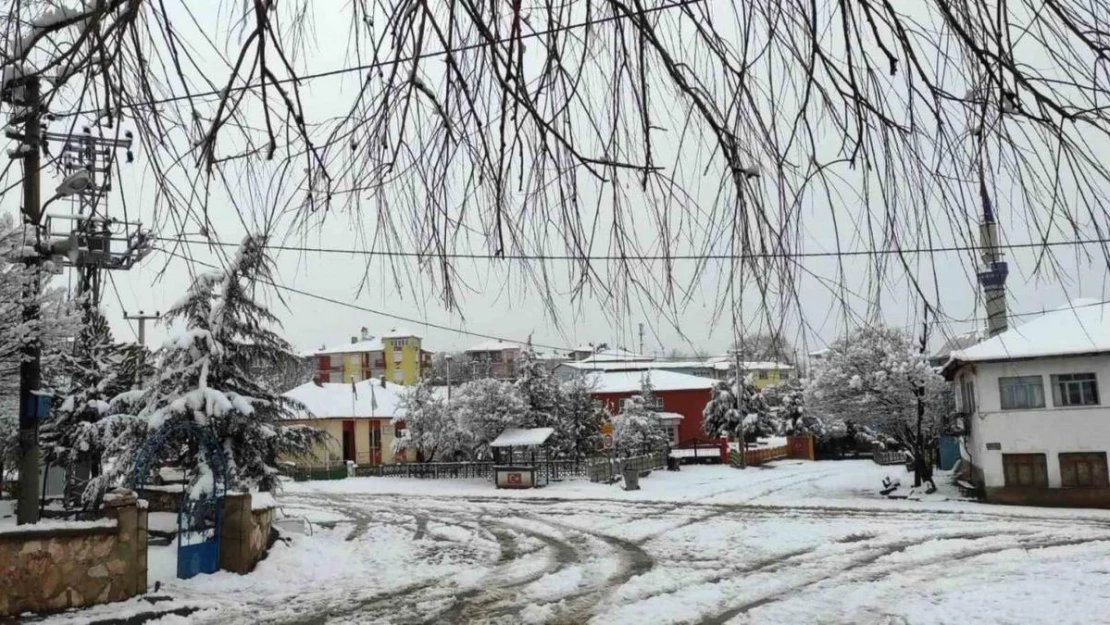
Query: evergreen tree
x=95, y=373
x=578, y=431
x=638, y=428
x=203, y=377
x=724, y=416
x=540, y=392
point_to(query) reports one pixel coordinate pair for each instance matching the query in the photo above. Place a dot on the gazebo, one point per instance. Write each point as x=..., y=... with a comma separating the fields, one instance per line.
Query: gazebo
x=515, y=453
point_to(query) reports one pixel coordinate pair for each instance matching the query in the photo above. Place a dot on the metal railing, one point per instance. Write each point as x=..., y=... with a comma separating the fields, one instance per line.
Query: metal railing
x=888, y=457
x=606, y=469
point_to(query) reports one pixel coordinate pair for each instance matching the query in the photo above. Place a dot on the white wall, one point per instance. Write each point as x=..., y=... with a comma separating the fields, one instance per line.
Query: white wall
x=1049, y=430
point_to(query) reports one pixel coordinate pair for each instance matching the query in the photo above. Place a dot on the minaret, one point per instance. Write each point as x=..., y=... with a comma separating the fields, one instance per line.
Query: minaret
x=993, y=271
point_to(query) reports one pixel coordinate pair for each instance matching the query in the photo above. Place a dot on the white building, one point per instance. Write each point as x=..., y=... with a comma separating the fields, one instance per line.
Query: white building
x=1038, y=428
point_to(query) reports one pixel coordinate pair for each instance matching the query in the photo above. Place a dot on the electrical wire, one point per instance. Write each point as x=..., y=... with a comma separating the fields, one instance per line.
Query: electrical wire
x=658, y=257
x=398, y=61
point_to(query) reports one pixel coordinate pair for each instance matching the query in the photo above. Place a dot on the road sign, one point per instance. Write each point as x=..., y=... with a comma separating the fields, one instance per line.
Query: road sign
x=607, y=441
x=607, y=428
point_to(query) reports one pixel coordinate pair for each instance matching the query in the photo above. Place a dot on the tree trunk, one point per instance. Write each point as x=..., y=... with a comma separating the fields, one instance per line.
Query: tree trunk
x=919, y=460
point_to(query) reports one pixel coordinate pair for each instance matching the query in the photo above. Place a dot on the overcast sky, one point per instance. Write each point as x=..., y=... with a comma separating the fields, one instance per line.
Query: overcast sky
x=499, y=298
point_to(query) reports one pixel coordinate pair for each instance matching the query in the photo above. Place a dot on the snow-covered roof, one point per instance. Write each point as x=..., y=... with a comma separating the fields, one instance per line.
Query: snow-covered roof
x=625, y=365
x=1081, y=327
x=400, y=333
x=615, y=355
x=362, y=400
x=955, y=343
x=494, y=346
x=669, y=416
x=584, y=348
x=516, y=437
x=371, y=344
x=631, y=381
x=752, y=365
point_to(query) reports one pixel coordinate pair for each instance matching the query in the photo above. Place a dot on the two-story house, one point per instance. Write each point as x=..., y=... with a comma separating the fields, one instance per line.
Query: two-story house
x=397, y=355
x=1037, y=425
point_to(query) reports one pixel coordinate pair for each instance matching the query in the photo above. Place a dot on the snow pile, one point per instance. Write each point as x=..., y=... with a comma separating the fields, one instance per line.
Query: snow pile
x=263, y=501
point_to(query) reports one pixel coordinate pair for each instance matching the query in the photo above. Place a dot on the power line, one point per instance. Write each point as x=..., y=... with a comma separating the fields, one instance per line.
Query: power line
x=338, y=302
x=415, y=57
x=122, y=308
x=647, y=257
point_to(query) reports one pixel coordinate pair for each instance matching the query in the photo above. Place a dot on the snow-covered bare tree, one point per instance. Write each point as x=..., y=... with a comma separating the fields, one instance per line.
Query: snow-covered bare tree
x=431, y=431
x=509, y=121
x=203, y=377
x=578, y=429
x=875, y=376
x=484, y=408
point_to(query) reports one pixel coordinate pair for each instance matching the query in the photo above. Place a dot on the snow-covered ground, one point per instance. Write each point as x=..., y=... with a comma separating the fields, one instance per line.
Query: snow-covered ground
x=791, y=542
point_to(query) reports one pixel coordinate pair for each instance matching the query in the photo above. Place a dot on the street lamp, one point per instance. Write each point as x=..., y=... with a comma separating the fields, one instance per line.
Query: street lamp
x=73, y=184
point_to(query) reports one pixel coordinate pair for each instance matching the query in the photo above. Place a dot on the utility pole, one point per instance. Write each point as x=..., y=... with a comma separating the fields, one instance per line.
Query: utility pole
x=30, y=372
x=739, y=411
x=641, y=351
x=142, y=319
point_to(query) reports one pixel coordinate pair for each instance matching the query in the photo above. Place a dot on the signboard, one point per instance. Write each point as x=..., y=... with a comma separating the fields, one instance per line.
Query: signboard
x=607, y=428
x=994, y=446
x=515, y=479
x=607, y=441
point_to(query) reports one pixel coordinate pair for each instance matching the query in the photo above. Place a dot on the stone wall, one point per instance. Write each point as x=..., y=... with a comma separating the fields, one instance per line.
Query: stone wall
x=161, y=499
x=57, y=568
x=244, y=534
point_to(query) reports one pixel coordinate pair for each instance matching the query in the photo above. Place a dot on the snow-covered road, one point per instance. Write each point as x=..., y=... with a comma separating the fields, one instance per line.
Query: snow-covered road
x=795, y=543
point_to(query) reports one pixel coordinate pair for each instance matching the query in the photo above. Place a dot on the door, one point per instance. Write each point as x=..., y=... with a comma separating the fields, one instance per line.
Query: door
x=349, y=441
x=375, y=442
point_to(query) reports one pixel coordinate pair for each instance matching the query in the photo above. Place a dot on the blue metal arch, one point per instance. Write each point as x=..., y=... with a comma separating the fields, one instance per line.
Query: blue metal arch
x=148, y=453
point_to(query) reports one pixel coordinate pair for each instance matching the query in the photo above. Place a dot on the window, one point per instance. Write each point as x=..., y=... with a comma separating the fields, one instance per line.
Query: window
x=1025, y=391
x=1083, y=469
x=654, y=402
x=762, y=375
x=784, y=375
x=967, y=394
x=1075, y=389
x=1025, y=469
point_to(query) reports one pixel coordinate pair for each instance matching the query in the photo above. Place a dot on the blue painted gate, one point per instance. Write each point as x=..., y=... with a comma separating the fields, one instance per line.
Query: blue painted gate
x=199, y=513
x=948, y=452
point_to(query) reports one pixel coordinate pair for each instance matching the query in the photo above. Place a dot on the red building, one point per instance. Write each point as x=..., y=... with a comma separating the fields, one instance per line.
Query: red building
x=676, y=394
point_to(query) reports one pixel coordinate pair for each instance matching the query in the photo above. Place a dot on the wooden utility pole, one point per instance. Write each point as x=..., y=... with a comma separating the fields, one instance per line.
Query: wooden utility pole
x=30, y=371
x=142, y=319
x=739, y=410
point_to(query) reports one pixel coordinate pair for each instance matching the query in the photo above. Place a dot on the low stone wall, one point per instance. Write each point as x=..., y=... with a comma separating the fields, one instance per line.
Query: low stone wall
x=50, y=569
x=244, y=534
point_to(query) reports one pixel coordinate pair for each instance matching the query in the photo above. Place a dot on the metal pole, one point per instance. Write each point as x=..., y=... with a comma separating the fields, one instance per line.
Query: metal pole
x=30, y=372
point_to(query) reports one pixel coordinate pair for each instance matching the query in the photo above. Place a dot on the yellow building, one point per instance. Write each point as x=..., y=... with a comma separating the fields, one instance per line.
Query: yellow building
x=397, y=355
x=358, y=418
x=764, y=373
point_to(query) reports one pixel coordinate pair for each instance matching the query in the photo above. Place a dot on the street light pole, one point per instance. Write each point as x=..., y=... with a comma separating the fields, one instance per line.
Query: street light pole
x=739, y=412
x=448, y=359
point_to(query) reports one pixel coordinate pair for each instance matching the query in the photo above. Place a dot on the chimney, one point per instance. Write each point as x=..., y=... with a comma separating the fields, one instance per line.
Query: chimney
x=354, y=339
x=365, y=333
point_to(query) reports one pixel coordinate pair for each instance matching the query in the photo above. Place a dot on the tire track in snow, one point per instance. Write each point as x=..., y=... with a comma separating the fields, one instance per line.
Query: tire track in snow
x=873, y=556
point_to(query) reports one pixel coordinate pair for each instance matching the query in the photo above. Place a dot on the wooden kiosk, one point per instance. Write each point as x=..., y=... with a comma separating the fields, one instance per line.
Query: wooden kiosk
x=515, y=454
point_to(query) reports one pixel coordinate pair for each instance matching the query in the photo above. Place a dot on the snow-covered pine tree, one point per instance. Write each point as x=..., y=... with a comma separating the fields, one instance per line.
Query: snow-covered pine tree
x=483, y=409
x=95, y=373
x=637, y=428
x=540, y=392
x=578, y=431
x=431, y=431
x=787, y=403
x=203, y=377
x=723, y=416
